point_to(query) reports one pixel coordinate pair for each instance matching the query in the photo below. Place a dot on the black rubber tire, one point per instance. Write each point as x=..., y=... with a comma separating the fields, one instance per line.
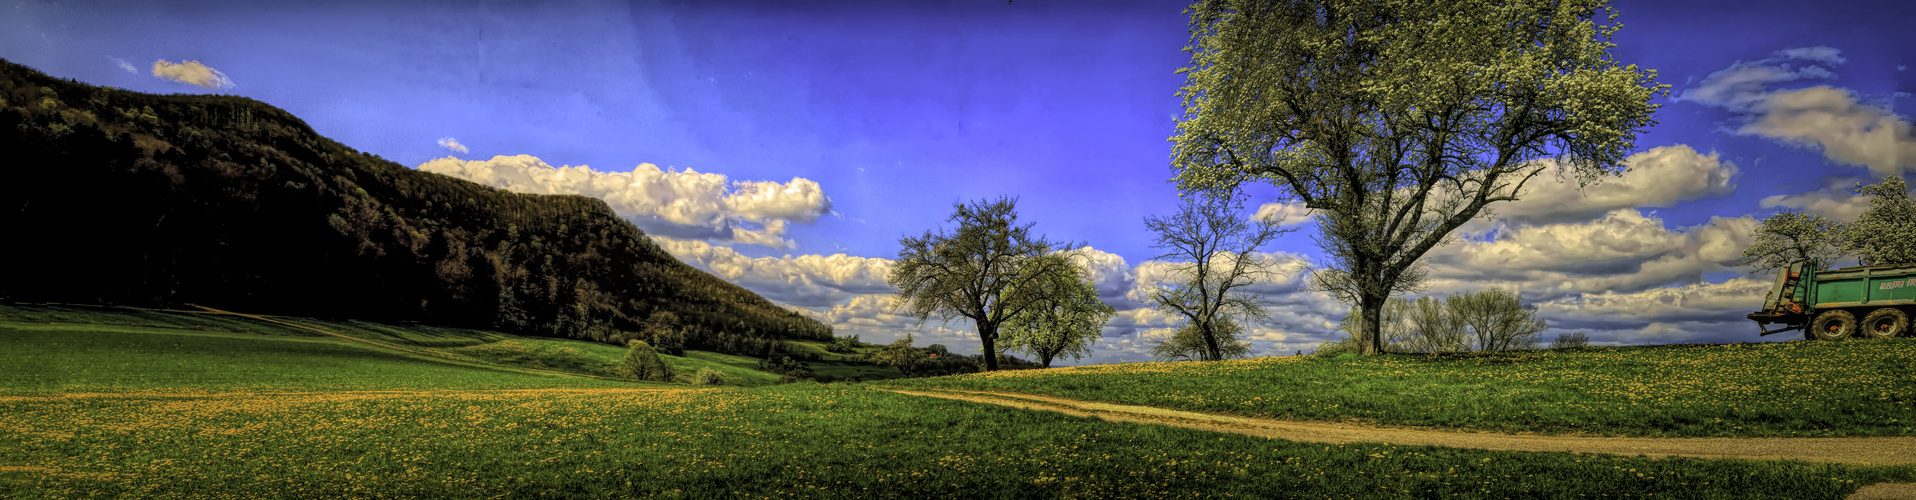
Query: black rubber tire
x=1833, y=325
x=1884, y=323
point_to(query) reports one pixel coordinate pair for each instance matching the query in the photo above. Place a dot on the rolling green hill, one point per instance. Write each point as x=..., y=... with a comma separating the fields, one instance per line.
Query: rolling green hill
x=162, y=200
x=53, y=348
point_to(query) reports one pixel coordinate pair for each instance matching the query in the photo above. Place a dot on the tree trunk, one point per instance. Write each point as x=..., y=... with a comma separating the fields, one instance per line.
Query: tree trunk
x=1370, y=341
x=989, y=334
x=1046, y=358
x=1210, y=343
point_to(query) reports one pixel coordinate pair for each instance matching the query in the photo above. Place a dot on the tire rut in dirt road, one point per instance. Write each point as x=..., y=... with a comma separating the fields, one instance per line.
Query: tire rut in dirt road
x=1883, y=450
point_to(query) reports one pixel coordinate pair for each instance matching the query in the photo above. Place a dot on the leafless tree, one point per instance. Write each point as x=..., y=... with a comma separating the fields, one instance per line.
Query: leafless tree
x=1213, y=248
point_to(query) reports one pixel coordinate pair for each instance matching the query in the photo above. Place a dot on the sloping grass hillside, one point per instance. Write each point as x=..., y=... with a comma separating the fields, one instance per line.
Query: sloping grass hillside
x=1799, y=388
x=141, y=343
x=135, y=355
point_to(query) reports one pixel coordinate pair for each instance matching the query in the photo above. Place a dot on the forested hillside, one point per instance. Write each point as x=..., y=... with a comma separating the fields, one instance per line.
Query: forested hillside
x=128, y=198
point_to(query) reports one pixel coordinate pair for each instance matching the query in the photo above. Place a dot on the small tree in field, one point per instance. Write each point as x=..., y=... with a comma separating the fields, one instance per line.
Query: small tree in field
x=981, y=271
x=902, y=355
x=1066, y=323
x=664, y=332
x=1189, y=343
x=1499, y=321
x=1212, y=248
x=1435, y=328
x=643, y=363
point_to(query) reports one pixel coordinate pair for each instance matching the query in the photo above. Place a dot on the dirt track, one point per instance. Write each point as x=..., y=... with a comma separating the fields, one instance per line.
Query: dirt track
x=1887, y=450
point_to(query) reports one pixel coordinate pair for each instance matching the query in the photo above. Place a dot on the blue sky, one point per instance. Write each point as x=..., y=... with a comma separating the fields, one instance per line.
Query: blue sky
x=822, y=132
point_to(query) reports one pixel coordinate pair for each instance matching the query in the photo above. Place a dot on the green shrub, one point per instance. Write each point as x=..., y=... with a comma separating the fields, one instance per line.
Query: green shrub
x=1332, y=348
x=643, y=363
x=1572, y=340
x=708, y=376
x=844, y=345
x=900, y=354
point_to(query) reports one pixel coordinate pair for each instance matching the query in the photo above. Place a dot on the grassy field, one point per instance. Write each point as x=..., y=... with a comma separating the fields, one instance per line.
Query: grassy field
x=461, y=346
x=132, y=411
x=43, y=359
x=1799, y=388
x=788, y=441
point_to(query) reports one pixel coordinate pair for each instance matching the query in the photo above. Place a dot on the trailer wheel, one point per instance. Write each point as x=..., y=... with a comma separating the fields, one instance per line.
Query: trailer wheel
x=1885, y=323
x=1833, y=325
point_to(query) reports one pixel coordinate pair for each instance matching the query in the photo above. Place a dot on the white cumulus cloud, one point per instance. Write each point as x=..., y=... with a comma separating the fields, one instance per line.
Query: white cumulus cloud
x=1847, y=130
x=1658, y=177
x=686, y=204
x=1835, y=200
x=191, y=72
x=1626, y=250
x=803, y=280
x=452, y=144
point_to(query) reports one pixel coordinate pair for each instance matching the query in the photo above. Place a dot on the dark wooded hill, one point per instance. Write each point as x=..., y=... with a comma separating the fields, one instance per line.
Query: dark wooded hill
x=111, y=196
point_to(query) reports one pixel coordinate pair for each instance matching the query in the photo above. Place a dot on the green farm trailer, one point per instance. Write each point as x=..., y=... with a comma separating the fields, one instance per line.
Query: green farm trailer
x=1826, y=304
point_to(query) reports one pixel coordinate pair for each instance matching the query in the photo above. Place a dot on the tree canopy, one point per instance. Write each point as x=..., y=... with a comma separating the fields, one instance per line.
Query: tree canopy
x=1790, y=236
x=1065, y=322
x=1885, y=233
x=1397, y=122
x=983, y=270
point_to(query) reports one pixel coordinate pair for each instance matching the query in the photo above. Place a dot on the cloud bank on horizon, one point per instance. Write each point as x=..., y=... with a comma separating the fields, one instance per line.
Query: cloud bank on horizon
x=1591, y=257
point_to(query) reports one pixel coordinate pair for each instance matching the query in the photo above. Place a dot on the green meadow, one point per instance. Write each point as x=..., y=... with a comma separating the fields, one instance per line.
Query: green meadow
x=1797, y=388
x=224, y=407
x=195, y=346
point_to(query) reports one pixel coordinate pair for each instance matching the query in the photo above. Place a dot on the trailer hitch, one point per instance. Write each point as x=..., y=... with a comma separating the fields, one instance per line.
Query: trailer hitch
x=1764, y=319
x=1786, y=327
